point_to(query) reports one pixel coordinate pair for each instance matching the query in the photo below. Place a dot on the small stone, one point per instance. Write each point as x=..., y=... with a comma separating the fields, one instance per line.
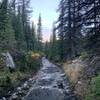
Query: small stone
x=67, y=90
x=4, y=98
x=79, y=82
x=21, y=93
x=19, y=88
x=14, y=97
x=30, y=79
x=9, y=92
x=63, y=75
x=67, y=87
x=25, y=84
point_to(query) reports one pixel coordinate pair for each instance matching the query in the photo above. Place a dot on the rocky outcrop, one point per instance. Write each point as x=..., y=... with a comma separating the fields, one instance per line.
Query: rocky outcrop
x=8, y=60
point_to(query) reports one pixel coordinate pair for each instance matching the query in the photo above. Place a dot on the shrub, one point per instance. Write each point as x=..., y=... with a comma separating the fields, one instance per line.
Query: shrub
x=5, y=85
x=94, y=93
x=20, y=61
x=73, y=69
x=84, y=55
x=1, y=63
x=33, y=61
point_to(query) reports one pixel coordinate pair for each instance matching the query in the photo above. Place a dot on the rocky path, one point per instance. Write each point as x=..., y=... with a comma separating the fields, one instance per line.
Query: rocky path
x=51, y=84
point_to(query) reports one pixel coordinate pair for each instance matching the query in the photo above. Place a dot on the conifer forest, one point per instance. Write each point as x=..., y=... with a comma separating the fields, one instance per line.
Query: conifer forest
x=46, y=59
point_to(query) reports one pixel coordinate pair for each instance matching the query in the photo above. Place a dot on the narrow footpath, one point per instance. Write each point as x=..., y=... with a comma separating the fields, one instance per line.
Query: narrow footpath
x=51, y=84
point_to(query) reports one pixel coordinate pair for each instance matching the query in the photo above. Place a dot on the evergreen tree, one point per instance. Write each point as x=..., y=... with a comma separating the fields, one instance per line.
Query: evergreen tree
x=53, y=44
x=19, y=35
x=61, y=29
x=47, y=49
x=25, y=12
x=33, y=41
x=69, y=28
x=39, y=34
x=7, y=36
x=92, y=23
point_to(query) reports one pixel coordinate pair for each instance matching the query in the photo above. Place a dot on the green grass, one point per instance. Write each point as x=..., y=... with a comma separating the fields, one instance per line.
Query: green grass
x=94, y=92
x=8, y=81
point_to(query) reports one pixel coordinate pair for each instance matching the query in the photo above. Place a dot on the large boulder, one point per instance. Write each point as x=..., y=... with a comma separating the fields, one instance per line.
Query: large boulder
x=8, y=60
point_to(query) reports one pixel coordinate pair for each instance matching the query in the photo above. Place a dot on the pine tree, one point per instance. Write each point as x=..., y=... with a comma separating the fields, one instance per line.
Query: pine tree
x=31, y=37
x=19, y=35
x=33, y=41
x=47, y=49
x=7, y=36
x=61, y=29
x=53, y=44
x=39, y=34
x=25, y=12
x=92, y=23
x=69, y=28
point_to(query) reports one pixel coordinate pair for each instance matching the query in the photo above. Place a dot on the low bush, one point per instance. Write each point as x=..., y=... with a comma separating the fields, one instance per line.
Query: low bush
x=73, y=69
x=94, y=89
x=33, y=61
x=5, y=85
x=84, y=55
x=1, y=63
x=30, y=62
x=26, y=65
x=9, y=81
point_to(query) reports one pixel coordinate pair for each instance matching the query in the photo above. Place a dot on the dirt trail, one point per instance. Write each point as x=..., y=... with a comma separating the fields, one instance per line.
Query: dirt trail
x=51, y=84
